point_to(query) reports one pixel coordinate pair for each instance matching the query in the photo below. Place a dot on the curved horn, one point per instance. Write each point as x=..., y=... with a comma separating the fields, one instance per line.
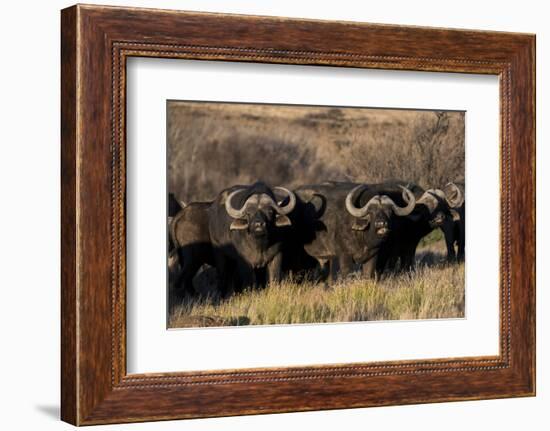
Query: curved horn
x=291, y=201
x=408, y=197
x=438, y=193
x=429, y=198
x=458, y=200
x=231, y=210
x=352, y=209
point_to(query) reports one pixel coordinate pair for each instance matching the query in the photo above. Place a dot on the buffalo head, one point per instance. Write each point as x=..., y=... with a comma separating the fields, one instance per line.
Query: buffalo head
x=258, y=209
x=440, y=204
x=378, y=210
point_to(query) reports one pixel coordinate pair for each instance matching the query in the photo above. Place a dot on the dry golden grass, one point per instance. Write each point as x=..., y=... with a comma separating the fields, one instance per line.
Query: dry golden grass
x=429, y=292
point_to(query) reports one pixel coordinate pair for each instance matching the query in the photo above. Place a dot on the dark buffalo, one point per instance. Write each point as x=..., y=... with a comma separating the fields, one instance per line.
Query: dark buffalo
x=454, y=227
x=248, y=227
x=432, y=210
x=342, y=224
x=189, y=232
x=174, y=207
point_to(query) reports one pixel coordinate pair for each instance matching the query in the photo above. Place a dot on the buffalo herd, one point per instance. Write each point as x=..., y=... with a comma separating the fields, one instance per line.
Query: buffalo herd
x=256, y=234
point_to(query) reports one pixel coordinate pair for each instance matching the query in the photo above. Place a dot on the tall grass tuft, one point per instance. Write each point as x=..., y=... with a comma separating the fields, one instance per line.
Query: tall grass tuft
x=429, y=292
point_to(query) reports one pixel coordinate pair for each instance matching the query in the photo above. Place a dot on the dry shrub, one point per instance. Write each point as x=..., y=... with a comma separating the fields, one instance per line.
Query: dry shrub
x=215, y=145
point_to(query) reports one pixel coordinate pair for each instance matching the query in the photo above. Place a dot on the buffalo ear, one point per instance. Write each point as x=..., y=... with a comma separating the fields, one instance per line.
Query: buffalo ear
x=282, y=221
x=361, y=224
x=455, y=215
x=239, y=224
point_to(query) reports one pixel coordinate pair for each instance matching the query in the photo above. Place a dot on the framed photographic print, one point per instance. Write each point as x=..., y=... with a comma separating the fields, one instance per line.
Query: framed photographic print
x=270, y=215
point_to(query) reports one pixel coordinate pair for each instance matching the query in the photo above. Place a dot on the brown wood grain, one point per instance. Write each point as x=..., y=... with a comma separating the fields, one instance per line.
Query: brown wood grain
x=96, y=41
x=68, y=216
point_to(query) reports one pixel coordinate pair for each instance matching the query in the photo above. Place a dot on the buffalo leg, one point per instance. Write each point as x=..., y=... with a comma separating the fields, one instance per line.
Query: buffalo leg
x=274, y=269
x=408, y=255
x=323, y=271
x=187, y=279
x=346, y=265
x=225, y=274
x=247, y=277
x=334, y=267
x=448, y=231
x=461, y=242
x=385, y=260
x=391, y=263
x=174, y=270
x=369, y=268
x=189, y=268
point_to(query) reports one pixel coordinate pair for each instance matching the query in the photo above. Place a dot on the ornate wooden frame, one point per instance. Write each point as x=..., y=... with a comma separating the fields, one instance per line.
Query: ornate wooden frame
x=95, y=43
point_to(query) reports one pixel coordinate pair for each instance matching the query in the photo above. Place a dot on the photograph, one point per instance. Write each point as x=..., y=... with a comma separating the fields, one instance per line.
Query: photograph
x=293, y=214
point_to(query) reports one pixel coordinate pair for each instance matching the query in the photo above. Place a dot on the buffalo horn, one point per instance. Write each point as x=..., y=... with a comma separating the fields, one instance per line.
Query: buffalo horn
x=351, y=208
x=458, y=200
x=408, y=197
x=291, y=202
x=231, y=210
x=431, y=197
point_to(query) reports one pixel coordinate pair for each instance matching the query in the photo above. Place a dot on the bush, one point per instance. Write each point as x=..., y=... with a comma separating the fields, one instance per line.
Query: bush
x=212, y=146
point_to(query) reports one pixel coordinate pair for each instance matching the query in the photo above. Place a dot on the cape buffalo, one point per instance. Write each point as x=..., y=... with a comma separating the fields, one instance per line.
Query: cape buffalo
x=346, y=223
x=454, y=227
x=433, y=208
x=247, y=228
x=189, y=232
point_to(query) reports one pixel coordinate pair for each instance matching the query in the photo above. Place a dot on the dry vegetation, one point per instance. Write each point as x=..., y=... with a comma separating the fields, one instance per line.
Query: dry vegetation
x=430, y=292
x=215, y=145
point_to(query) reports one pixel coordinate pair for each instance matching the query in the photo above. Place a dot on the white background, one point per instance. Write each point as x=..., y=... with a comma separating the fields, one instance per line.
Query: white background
x=29, y=216
x=151, y=348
